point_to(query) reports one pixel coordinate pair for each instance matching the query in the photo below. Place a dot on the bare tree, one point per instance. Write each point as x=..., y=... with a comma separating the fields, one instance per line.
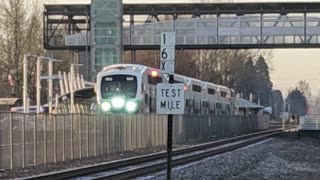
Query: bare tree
x=304, y=87
x=21, y=33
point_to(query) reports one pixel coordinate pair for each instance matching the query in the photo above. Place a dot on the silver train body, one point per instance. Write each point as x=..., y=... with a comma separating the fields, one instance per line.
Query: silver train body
x=131, y=88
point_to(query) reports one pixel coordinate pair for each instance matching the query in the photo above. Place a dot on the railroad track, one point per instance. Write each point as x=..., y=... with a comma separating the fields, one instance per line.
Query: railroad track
x=141, y=165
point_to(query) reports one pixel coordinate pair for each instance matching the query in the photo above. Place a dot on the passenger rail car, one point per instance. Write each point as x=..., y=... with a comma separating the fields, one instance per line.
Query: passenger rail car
x=130, y=88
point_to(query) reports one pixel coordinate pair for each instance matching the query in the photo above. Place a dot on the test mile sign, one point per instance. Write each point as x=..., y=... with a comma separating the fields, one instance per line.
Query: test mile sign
x=170, y=98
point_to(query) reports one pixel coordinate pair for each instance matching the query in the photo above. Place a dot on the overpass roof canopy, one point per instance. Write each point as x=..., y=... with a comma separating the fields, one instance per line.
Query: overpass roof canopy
x=223, y=8
x=67, y=9
x=242, y=103
x=192, y=8
x=68, y=2
x=84, y=94
x=10, y=101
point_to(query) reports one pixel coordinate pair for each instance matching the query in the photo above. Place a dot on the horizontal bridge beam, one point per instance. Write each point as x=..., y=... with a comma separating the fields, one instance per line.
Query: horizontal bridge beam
x=220, y=8
x=223, y=46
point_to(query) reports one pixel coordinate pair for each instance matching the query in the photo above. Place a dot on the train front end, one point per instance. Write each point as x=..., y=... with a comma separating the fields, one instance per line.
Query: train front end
x=117, y=91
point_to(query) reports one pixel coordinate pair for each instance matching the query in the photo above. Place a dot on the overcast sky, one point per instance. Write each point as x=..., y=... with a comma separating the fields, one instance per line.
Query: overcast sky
x=290, y=65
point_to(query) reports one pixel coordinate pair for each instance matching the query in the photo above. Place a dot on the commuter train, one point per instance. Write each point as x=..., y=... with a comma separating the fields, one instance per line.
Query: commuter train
x=131, y=88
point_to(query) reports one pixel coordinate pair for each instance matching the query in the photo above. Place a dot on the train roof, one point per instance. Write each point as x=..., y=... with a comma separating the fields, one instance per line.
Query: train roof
x=124, y=66
x=139, y=67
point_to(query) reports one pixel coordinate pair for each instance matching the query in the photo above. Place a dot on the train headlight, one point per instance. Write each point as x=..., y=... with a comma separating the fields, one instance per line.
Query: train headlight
x=131, y=106
x=117, y=102
x=106, y=106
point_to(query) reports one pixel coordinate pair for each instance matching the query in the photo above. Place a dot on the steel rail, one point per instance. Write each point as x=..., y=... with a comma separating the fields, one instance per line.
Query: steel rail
x=107, y=166
x=147, y=169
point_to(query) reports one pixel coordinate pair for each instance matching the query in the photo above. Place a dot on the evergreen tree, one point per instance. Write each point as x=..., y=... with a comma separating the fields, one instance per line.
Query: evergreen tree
x=277, y=104
x=247, y=79
x=297, y=102
x=263, y=85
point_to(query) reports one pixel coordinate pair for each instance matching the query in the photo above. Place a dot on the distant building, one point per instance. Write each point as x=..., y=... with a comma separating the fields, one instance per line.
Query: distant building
x=245, y=107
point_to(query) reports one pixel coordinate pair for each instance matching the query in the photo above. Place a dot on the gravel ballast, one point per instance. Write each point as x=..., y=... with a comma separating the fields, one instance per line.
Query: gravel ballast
x=277, y=158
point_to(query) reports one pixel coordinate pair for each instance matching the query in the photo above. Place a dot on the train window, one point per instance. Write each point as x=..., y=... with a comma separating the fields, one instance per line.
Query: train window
x=196, y=88
x=212, y=105
x=108, y=79
x=154, y=80
x=223, y=94
x=175, y=81
x=211, y=91
x=119, y=85
x=130, y=78
x=205, y=104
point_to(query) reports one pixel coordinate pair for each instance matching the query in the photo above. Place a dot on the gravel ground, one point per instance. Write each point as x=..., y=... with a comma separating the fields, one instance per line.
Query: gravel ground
x=279, y=158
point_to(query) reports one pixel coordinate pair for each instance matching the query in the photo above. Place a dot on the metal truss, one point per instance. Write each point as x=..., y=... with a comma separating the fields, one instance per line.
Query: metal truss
x=247, y=31
x=62, y=20
x=198, y=26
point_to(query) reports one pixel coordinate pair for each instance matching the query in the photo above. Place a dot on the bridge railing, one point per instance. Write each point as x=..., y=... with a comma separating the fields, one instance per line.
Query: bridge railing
x=247, y=29
x=31, y=139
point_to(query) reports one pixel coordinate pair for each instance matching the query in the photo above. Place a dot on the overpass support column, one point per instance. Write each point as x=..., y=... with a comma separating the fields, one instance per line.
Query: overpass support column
x=106, y=25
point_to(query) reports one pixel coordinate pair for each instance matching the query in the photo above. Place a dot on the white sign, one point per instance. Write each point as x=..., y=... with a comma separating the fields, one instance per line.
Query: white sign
x=167, y=67
x=168, y=39
x=170, y=98
x=167, y=53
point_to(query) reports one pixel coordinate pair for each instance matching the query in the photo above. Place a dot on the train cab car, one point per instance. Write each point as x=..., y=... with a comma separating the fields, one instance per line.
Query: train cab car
x=119, y=88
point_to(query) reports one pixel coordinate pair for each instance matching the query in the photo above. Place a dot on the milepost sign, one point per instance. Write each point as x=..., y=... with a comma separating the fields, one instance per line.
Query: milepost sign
x=170, y=98
x=167, y=52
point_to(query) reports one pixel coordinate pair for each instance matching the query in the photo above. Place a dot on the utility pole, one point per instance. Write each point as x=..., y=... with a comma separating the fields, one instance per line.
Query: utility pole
x=25, y=84
x=38, y=85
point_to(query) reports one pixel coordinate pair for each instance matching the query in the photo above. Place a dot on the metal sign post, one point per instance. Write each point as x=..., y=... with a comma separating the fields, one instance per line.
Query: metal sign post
x=169, y=100
x=169, y=137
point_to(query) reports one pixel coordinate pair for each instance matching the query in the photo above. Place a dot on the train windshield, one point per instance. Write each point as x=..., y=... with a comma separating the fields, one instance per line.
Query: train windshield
x=119, y=85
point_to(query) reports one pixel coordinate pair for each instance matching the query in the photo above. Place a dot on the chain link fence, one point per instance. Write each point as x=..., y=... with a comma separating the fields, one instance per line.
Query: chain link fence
x=35, y=139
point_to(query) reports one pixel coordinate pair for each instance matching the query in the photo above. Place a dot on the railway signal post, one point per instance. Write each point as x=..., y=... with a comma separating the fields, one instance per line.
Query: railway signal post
x=170, y=97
